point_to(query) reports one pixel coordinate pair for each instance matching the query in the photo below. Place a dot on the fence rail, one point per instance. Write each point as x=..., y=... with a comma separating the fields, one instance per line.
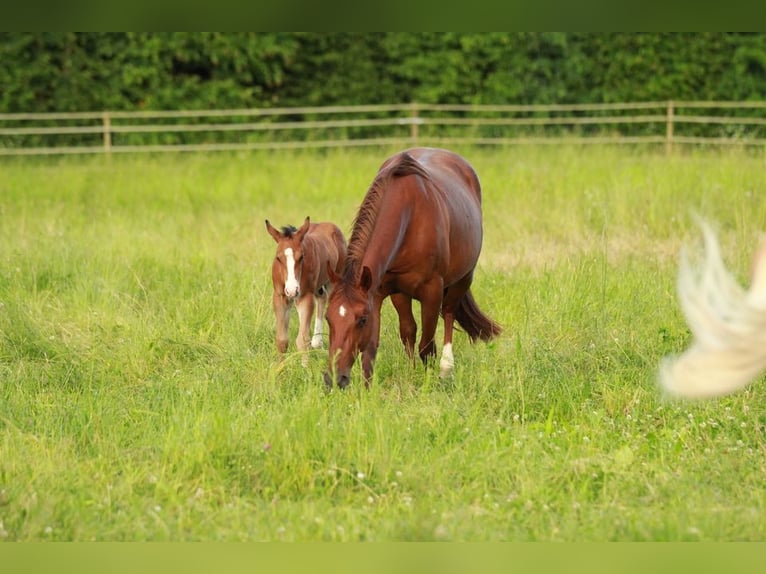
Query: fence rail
x=668, y=123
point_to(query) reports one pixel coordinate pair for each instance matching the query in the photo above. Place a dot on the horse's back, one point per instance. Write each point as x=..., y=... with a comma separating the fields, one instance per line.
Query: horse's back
x=449, y=170
x=330, y=244
x=441, y=191
x=456, y=186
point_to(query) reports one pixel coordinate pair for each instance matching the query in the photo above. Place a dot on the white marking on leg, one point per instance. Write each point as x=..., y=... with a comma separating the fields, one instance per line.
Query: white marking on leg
x=291, y=285
x=304, y=320
x=316, y=340
x=447, y=361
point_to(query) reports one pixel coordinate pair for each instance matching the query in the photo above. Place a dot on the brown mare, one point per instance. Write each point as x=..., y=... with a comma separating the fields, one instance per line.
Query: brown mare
x=417, y=235
x=300, y=274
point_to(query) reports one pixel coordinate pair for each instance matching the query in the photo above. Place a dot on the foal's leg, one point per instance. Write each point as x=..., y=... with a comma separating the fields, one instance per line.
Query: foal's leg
x=305, y=307
x=408, y=328
x=281, y=307
x=321, y=303
x=430, y=296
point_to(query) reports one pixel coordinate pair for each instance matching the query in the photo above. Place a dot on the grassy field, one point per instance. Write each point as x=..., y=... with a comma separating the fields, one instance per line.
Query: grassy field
x=141, y=397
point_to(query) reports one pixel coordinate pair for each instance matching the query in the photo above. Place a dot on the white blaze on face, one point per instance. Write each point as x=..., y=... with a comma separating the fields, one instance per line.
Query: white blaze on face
x=291, y=285
x=342, y=311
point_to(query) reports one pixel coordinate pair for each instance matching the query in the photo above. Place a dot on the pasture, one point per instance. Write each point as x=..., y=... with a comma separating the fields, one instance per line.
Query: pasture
x=141, y=395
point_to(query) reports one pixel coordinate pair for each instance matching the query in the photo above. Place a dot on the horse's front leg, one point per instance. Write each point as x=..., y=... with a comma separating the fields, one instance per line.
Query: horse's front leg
x=281, y=306
x=408, y=328
x=430, y=297
x=305, y=307
x=368, y=362
x=371, y=350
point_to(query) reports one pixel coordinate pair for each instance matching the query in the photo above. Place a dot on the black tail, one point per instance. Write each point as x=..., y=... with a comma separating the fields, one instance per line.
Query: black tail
x=475, y=323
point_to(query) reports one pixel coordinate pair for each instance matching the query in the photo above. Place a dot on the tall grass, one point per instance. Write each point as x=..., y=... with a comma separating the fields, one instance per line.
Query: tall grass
x=141, y=397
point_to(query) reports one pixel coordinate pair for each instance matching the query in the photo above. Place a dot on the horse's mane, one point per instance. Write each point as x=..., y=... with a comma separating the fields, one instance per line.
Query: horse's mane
x=288, y=231
x=364, y=223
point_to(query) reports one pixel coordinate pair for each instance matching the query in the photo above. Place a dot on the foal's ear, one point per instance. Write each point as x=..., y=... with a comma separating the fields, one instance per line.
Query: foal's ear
x=304, y=228
x=273, y=231
x=365, y=280
x=334, y=277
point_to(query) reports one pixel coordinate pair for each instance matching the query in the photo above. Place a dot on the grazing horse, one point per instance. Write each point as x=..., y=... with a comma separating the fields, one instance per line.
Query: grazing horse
x=299, y=274
x=727, y=322
x=417, y=235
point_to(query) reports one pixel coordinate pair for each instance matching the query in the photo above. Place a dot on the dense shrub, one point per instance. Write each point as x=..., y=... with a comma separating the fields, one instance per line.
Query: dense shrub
x=120, y=71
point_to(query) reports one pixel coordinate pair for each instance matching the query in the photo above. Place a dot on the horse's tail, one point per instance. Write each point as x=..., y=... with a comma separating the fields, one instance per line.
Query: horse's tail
x=728, y=325
x=475, y=323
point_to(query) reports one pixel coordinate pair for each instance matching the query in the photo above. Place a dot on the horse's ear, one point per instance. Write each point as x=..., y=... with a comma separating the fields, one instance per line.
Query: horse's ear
x=334, y=277
x=304, y=228
x=365, y=280
x=273, y=231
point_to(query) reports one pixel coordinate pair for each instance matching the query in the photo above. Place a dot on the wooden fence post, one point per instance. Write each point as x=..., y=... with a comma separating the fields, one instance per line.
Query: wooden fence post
x=107, y=122
x=669, y=128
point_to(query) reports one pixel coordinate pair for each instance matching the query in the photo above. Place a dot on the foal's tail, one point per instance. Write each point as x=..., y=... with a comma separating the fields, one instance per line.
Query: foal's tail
x=728, y=324
x=476, y=324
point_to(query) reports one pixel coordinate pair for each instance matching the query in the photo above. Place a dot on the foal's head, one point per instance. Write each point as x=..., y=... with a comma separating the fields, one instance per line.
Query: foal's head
x=288, y=263
x=350, y=318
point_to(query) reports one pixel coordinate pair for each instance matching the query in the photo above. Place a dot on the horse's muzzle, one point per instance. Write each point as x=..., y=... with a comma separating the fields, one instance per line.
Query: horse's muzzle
x=343, y=381
x=292, y=291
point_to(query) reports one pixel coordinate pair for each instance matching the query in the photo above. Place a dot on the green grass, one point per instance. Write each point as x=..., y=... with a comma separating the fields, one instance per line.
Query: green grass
x=141, y=397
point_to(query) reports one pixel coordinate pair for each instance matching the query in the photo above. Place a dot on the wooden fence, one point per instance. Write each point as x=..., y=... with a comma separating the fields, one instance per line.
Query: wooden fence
x=667, y=124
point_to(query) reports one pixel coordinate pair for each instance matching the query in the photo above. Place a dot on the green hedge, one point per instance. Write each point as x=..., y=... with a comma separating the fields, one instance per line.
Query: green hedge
x=126, y=71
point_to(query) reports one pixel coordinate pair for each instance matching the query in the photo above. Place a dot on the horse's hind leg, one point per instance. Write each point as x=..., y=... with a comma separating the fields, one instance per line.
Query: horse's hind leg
x=430, y=296
x=321, y=305
x=305, y=307
x=447, y=361
x=408, y=328
x=452, y=297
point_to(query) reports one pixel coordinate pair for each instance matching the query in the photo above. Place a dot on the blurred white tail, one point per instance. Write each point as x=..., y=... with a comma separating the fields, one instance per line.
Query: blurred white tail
x=728, y=325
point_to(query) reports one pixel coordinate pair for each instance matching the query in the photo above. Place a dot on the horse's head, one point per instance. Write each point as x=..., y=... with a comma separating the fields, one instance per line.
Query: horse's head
x=350, y=318
x=288, y=263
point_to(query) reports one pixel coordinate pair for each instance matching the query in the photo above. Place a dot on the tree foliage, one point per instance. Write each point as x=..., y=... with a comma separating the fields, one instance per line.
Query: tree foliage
x=71, y=71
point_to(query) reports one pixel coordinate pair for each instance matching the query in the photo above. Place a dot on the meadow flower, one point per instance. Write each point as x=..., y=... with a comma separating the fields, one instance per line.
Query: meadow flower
x=441, y=532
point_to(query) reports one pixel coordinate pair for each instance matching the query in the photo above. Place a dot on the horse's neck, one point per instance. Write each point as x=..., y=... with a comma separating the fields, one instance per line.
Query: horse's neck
x=384, y=244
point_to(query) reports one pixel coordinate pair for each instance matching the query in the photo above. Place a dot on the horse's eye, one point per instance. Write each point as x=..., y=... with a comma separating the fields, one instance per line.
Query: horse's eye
x=361, y=321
